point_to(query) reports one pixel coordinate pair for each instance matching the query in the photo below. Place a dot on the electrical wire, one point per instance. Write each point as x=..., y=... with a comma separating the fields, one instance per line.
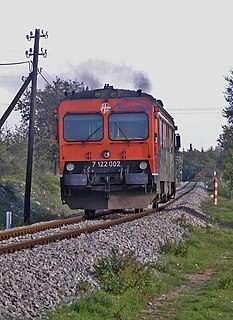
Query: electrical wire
x=195, y=111
x=44, y=71
x=40, y=73
x=14, y=63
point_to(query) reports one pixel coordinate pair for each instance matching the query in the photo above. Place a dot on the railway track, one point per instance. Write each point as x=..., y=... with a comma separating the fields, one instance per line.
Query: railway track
x=6, y=234
x=71, y=233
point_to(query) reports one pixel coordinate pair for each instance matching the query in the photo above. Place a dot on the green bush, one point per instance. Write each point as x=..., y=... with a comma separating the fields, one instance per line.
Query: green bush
x=83, y=286
x=120, y=272
x=224, y=189
x=178, y=249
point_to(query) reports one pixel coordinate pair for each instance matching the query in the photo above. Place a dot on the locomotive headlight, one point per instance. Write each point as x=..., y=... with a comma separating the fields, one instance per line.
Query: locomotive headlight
x=106, y=154
x=143, y=165
x=70, y=167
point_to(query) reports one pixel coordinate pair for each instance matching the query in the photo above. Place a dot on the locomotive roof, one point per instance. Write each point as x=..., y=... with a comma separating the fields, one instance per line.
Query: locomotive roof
x=108, y=92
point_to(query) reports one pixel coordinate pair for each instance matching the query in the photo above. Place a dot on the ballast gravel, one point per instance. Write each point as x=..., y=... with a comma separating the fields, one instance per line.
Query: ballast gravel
x=33, y=281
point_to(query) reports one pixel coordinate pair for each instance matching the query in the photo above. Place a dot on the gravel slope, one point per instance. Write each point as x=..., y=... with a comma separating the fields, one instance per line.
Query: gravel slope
x=35, y=280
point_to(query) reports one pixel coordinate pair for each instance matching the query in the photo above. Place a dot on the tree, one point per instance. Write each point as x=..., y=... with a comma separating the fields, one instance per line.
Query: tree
x=45, y=144
x=200, y=165
x=12, y=152
x=226, y=138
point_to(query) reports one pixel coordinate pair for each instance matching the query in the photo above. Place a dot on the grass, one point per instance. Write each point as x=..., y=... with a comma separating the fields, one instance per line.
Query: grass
x=211, y=302
x=210, y=248
x=206, y=250
x=126, y=287
x=214, y=301
x=45, y=199
x=221, y=212
x=102, y=306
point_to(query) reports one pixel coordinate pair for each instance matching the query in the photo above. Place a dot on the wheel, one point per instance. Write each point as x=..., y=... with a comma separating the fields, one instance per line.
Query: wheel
x=138, y=210
x=155, y=205
x=89, y=212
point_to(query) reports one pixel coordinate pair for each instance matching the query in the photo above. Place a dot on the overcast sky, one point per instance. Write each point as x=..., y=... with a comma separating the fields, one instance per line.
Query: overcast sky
x=182, y=50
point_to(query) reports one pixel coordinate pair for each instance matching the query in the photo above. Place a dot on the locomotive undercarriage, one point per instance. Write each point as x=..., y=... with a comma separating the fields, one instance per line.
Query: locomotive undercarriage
x=113, y=188
x=132, y=197
x=116, y=196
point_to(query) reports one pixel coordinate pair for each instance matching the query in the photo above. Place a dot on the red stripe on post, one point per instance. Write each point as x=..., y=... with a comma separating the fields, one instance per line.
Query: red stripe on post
x=215, y=191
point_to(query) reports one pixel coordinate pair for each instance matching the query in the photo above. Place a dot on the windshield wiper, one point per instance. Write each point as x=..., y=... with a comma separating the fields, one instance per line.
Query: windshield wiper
x=93, y=133
x=121, y=132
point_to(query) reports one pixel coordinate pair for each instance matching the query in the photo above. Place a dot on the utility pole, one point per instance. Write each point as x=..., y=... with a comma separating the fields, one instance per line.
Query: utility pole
x=35, y=54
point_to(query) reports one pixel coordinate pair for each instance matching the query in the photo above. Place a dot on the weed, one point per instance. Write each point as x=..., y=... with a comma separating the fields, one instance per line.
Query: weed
x=120, y=272
x=83, y=286
x=98, y=303
x=163, y=267
x=182, y=221
x=178, y=249
x=225, y=283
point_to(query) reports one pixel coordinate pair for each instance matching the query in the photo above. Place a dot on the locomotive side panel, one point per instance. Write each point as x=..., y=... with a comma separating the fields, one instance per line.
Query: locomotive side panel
x=166, y=158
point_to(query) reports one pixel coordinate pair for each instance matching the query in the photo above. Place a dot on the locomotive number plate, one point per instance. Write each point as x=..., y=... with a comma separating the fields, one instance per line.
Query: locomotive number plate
x=106, y=164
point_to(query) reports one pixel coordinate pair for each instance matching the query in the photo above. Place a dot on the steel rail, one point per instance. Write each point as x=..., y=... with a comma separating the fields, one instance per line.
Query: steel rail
x=9, y=248
x=15, y=232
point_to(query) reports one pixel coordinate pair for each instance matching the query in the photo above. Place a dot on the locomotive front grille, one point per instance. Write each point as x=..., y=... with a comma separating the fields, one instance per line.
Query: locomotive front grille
x=96, y=173
x=76, y=180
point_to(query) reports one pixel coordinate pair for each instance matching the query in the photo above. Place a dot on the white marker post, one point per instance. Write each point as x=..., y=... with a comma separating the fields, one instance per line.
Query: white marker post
x=8, y=220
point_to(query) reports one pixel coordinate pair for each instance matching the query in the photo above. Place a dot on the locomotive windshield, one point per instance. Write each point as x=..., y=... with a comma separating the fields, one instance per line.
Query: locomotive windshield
x=128, y=126
x=83, y=127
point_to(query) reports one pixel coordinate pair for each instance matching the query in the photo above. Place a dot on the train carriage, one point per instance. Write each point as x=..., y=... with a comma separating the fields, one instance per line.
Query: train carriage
x=116, y=150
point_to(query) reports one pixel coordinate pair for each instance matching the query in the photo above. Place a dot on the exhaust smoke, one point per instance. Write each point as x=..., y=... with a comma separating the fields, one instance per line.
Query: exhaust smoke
x=95, y=73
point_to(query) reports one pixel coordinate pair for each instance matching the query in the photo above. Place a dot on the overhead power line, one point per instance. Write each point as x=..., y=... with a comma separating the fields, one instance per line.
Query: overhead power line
x=14, y=63
x=193, y=109
x=197, y=113
x=43, y=77
x=44, y=71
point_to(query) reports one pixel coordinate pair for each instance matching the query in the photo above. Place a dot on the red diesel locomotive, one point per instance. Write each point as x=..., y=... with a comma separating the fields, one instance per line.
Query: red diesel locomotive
x=117, y=150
